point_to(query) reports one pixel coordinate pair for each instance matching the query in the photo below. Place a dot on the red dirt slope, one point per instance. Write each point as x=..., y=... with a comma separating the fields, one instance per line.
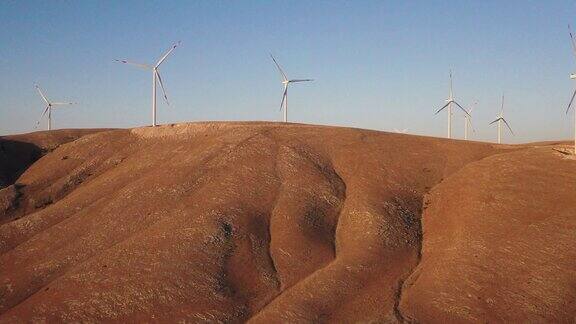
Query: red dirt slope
x=230, y=222
x=17, y=153
x=499, y=243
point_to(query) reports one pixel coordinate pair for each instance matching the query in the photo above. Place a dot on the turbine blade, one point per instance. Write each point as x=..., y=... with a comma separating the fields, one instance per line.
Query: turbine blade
x=300, y=80
x=42, y=116
x=472, y=108
x=283, y=97
x=572, y=40
x=42, y=94
x=451, y=89
x=167, y=53
x=497, y=119
x=439, y=110
x=471, y=126
x=571, y=101
x=505, y=122
x=464, y=110
x=62, y=103
x=140, y=65
x=284, y=77
x=162, y=86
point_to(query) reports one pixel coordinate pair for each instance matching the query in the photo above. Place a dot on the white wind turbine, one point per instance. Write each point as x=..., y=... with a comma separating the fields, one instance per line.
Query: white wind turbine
x=448, y=104
x=468, y=121
x=286, y=82
x=49, y=106
x=403, y=131
x=501, y=120
x=155, y=78
x=572, y=76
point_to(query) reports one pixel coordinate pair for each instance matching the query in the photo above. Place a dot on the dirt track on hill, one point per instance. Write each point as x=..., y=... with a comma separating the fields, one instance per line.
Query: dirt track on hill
x=266, y=222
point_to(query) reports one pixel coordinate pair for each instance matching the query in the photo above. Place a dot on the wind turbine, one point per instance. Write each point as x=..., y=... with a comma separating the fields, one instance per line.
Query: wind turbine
x=468, y=122
x=501, y=120
x=572, y=76
x=403, y=131
x=49, y=106
x=448, y=104
x=286, y=82
x=155, y=78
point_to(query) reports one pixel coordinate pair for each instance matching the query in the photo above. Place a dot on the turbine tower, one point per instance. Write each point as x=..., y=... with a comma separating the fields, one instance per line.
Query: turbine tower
x=448, y=104
x=286, y=82
x=468, y=122
x=572, y=76
x=501, y=120
x=155, y=78
x=49, y=106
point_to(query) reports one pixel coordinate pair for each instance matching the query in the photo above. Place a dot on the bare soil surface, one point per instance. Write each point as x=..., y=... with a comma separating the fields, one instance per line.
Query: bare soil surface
x=267, y=222
x=499, y=243
x=18, y=152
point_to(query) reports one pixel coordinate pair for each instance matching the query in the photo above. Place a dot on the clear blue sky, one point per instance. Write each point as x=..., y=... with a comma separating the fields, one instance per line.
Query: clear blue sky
x=376, y=64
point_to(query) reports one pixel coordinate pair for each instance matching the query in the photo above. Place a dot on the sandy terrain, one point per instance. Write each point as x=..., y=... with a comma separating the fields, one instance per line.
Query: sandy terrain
x=265, y=222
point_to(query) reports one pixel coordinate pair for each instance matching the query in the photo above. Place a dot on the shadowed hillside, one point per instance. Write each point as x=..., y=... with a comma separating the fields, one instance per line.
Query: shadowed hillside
x=268, y=222
x=17, y=153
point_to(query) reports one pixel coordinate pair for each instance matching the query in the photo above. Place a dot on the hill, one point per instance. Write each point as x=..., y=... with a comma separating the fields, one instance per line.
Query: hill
x=267, y=222
x=18, y=152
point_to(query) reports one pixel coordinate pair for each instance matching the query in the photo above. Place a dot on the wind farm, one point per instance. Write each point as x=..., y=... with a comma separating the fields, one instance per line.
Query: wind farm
x=367, y=202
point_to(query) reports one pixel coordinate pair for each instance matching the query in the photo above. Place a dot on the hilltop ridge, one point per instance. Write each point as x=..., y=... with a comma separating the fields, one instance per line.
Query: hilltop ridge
x=268, y=222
